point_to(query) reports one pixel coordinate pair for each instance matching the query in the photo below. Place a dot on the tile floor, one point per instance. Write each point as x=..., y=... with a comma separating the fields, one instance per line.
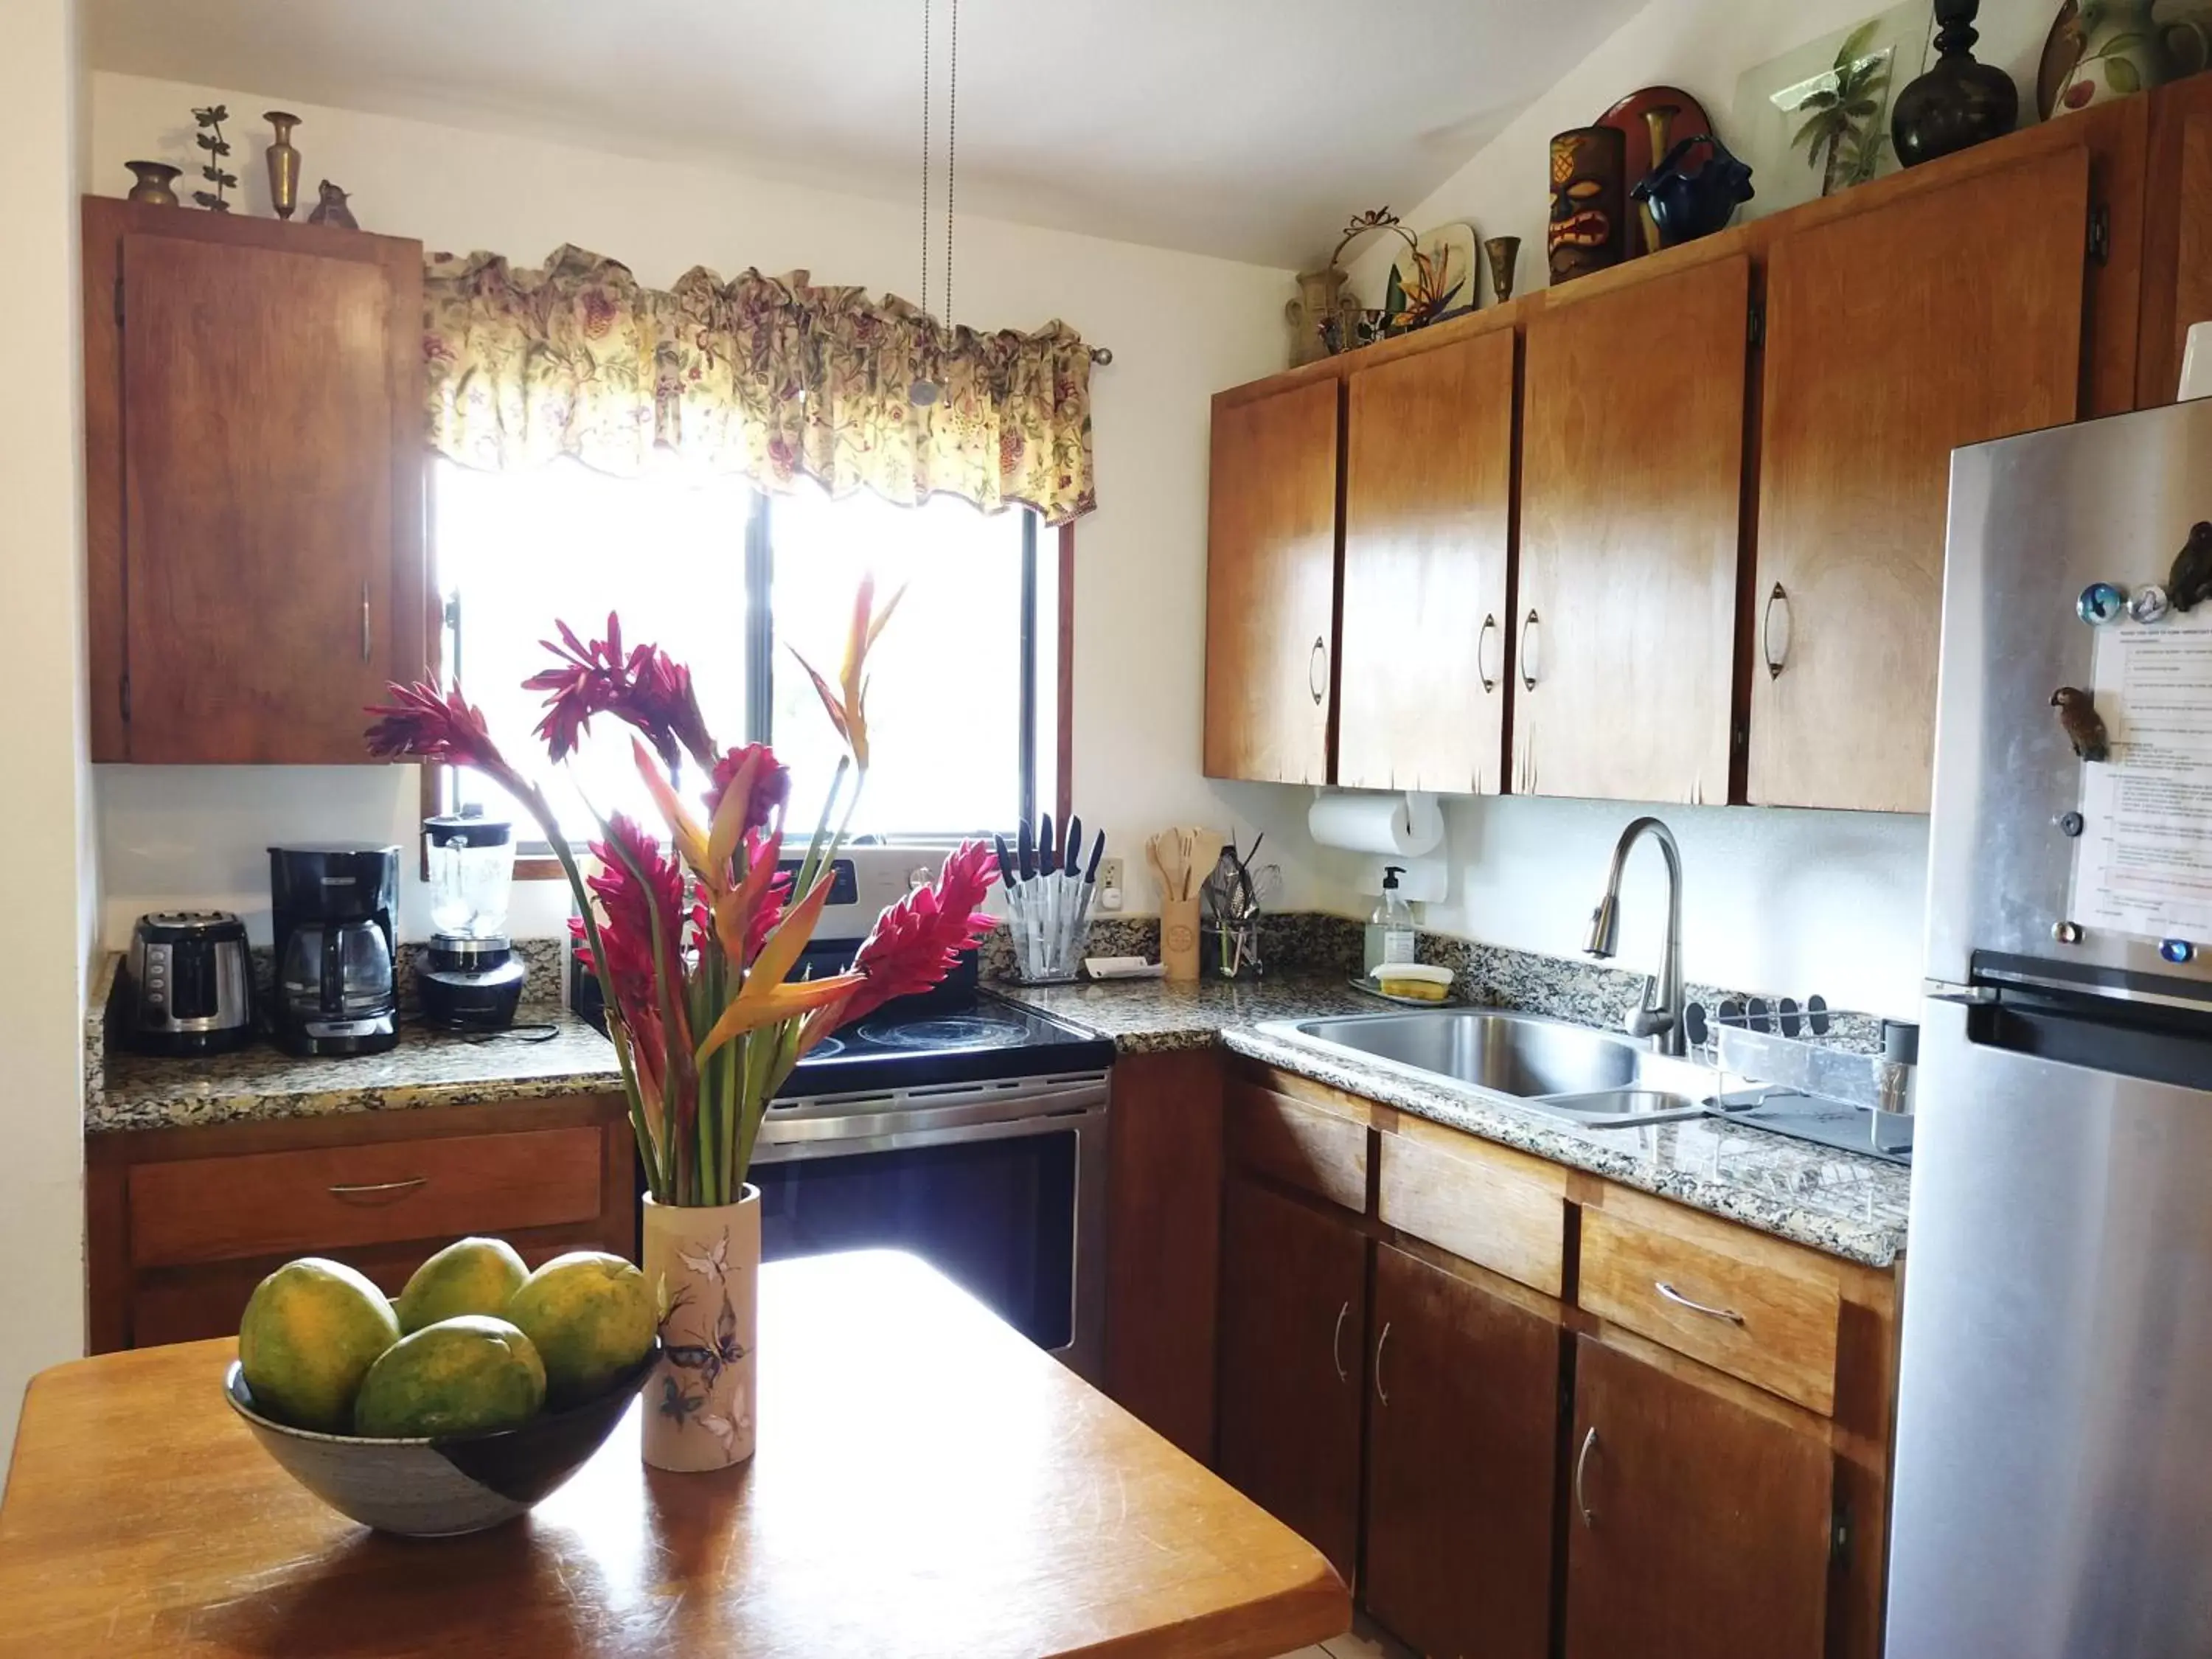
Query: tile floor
x=1365, y=1641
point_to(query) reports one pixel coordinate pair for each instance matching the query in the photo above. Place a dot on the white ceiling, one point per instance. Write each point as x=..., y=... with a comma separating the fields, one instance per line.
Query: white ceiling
x=1250, y=129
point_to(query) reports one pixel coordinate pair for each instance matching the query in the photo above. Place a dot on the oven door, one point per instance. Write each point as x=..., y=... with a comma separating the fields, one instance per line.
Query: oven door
x=1001, y=1186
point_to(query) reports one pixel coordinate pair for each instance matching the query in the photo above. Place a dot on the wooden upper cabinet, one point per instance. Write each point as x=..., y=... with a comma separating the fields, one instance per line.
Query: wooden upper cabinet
x=1697, y=1527
x=1428, y=514
x=1632, y=483
x=2177, y=276
x=254, y=458
x=1463, y=1429
x=1892, y=338
x=1271, y=586
x=1293, y=1321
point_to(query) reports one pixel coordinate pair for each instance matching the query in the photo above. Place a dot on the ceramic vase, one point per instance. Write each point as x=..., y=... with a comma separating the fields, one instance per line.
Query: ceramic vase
x=155, y=181
x=704, y=1264
x=2123, y=49
x=283, y=164
x=1958, y=103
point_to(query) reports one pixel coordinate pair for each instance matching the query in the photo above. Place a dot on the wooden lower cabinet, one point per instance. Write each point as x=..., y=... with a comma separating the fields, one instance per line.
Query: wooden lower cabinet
x=182, y=1224
x=1293, y=1318
x=1697, y=1528
x=1461, y=1437
x=1163, y=1146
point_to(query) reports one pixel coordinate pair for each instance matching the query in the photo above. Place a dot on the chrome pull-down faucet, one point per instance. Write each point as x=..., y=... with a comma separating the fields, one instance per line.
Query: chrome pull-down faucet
x=1658, y=1015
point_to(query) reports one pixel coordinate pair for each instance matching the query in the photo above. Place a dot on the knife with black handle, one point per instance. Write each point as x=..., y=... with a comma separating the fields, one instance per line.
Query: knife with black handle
x=1046, y=861
x=1005, y=862
x=1024, y=838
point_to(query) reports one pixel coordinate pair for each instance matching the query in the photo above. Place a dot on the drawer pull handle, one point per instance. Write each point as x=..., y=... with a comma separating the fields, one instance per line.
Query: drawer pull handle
x=1481, y=658
x=1582, y=1468
x=1694, y=1306
x=1336, y=1344
x=364, y=645
x=1317, y=672
x=1382, y=1342
x=370, y=1189
x=1529, y=657
x=1776, y=660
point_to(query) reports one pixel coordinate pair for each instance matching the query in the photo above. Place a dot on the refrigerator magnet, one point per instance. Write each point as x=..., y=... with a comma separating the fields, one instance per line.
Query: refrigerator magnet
x=2150, y=603
x=2101, y=604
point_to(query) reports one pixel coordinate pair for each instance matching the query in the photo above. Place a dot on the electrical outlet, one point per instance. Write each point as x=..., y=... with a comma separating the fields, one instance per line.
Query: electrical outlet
x=1110, y=883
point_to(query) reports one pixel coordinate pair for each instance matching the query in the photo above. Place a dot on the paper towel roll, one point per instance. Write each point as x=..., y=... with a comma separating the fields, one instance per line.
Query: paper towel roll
x=1400, y=826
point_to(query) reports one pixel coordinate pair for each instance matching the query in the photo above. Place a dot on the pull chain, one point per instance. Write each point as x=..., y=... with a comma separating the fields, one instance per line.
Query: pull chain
x=927, y=7
x=951, y=140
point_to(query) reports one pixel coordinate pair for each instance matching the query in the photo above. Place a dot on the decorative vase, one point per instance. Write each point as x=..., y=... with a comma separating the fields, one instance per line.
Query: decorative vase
x=1312, y=313
x=1683, y=204
x=703, y=1263
x=2123, y=49
x=1589, y=230
x=1958, y=103
x=283, y=164
x=154, y=178
x=1504, y=253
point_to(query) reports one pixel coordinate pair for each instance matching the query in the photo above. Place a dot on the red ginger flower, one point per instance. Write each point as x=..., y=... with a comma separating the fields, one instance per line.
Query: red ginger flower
x=647, y=689
x=420, y=722
x=918, y=941
x=771, y=786
x=629, y=909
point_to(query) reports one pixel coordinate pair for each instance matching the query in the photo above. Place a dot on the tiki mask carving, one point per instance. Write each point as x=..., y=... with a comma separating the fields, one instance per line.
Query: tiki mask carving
x=1589, y=200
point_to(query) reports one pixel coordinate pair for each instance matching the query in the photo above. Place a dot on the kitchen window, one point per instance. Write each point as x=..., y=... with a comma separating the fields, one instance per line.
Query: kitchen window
x=965, y=682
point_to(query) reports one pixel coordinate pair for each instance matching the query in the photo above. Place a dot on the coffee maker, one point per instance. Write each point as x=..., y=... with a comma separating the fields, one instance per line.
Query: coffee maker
x=337, y=952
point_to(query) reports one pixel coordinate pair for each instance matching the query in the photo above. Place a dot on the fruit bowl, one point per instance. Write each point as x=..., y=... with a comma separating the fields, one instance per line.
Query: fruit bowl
x=435, y=1488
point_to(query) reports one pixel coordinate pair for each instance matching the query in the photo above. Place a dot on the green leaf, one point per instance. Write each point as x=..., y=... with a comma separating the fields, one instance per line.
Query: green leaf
x=1856, y=43
x=2124, y=75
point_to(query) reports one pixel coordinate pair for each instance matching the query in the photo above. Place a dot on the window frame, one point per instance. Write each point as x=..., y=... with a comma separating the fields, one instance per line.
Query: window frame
x=436, y=785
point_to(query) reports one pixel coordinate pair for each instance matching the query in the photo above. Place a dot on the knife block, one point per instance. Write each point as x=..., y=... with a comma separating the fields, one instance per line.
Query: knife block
x=1179, y=938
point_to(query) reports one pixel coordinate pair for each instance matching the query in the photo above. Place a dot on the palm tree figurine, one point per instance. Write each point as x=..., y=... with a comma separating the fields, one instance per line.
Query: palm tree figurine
x=1842, y=133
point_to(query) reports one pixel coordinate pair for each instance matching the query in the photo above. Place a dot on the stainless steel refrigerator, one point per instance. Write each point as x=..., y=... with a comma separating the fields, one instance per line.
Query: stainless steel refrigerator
x=2053, y=1480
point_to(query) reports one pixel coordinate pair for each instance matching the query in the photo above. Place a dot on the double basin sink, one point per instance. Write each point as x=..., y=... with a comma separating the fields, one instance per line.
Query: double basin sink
x=1571, y=1073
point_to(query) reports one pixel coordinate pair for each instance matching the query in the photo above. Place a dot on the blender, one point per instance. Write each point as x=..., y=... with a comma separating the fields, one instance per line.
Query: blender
x=473, y=979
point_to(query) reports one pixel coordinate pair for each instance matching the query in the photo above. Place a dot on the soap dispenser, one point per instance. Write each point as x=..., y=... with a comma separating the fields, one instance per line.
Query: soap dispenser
x=1390, y=929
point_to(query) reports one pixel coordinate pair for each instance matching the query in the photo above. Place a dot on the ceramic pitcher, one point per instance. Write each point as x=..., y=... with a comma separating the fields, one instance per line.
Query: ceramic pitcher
x=2124, y=49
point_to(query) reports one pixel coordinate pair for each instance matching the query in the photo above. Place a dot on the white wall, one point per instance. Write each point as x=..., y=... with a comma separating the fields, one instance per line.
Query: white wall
x=51, y=891
x=1783, y=901
x=1180, y=326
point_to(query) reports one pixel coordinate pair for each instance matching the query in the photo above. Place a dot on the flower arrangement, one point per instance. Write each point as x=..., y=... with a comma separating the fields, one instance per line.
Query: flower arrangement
x=692, y=941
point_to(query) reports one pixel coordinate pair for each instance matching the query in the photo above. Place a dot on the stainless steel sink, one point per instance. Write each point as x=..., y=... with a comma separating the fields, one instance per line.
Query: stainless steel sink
x=1562, y=1071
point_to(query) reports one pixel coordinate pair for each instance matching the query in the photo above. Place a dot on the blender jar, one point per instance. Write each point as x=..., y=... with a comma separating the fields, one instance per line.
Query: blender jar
x=472, y=868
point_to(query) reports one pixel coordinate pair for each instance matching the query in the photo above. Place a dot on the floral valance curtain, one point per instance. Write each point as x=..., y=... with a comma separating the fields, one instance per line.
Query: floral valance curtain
x=766, y=376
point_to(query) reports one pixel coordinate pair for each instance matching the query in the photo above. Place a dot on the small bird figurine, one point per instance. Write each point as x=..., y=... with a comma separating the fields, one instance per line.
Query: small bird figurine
x=2191, y=579
x=2084, y=727
x=330, y=208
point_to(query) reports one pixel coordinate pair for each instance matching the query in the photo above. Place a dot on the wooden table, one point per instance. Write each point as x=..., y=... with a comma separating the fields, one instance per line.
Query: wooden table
x=927, y=1483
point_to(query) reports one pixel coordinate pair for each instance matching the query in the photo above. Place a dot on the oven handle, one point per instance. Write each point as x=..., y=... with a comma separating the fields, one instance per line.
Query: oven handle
x=842, y=1137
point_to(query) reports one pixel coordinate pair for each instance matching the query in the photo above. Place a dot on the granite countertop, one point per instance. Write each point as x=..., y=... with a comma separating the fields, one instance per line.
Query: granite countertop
x=550, y=1054
x=429, y=1068
x=1847, y=1206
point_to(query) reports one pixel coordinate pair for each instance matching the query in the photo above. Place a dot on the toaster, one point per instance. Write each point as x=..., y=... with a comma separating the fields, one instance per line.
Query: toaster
x=192, y=983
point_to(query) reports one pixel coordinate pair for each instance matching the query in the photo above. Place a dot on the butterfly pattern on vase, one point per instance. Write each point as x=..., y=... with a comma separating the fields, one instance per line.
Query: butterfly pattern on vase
x=708, y=1355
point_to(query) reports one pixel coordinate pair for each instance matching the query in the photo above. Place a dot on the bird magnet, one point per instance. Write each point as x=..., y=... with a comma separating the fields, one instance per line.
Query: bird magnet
x=2191, y=580
x=2150, y=603
x=2079, y=719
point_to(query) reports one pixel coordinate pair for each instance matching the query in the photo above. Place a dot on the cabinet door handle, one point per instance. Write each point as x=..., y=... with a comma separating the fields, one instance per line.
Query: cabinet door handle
x=1681, y=1301
x=370, y=1189
x=1481, y=659
x=1317, y=672
x=1582, y=1469
x=1527, y=674
x=365, y=649
x=1382, y=1342
x=1775, y=660
x=1336, y=1344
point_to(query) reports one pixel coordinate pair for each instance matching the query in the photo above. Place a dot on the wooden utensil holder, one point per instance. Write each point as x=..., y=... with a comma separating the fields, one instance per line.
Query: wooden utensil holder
x=1179, y=938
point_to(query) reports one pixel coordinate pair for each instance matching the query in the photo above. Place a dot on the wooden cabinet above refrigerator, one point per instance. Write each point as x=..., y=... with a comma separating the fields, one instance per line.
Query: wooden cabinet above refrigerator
x=1802, y=439
x=255, y=465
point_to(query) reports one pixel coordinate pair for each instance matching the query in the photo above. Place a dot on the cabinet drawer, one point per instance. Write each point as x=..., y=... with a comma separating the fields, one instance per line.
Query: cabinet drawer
x=1759, y=1315
x=219, y=1209
x=1481, y=1204
x=1319, y=1151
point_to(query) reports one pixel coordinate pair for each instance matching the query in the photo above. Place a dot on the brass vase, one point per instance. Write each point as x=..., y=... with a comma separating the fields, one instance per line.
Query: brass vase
x=1504, y=252
x=154, y=178
x=283, y=164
